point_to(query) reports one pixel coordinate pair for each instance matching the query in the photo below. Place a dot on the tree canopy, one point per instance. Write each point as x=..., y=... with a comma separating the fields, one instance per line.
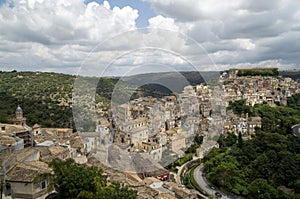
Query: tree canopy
x=265, y=165
x=72, y=180
x=257, y=72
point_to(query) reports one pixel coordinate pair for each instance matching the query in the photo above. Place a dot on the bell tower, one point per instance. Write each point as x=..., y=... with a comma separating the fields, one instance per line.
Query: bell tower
x=19, y=120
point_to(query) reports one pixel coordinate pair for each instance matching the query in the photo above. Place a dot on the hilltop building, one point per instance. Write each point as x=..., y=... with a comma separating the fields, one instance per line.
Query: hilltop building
x=19, y=120
x=18, y=134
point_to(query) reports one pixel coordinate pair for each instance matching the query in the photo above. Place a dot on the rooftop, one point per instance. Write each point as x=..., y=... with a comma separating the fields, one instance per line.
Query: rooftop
x=57, y=150
x=27, y=171
x=11, y=128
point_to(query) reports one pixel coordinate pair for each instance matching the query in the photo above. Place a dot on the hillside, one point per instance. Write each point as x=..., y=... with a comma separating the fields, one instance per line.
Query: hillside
x=46, y=98
x=168, y=79
x=294, y=74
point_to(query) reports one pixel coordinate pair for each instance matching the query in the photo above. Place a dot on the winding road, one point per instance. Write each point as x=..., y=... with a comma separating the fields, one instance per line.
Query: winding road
x=204, y=185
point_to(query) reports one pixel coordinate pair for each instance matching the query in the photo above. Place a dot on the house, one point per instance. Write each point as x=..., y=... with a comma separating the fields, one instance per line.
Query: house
x=43, y=134
x=22, y=182
x=18, y=131
x=20, y=168
x=157, y=185
x=178, y=142
x=180, y=192
x=206, y=147
x=153, y=148
x=241, y=124
x=139, y=135
x=7, y=161
x=11, y=141
x=49, y=153
x=253, y=123
x=103, y=128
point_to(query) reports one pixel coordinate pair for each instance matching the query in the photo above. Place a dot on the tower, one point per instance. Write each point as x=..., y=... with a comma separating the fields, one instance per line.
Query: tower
x=19, y=120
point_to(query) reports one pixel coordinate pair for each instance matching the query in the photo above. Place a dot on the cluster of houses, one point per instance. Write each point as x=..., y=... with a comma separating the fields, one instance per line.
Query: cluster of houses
x=165, y=127
x=273, y=90
x=26, y=151
x=162, y=128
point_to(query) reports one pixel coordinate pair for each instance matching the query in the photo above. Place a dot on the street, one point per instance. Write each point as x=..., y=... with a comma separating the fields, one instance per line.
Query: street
x=198, y=176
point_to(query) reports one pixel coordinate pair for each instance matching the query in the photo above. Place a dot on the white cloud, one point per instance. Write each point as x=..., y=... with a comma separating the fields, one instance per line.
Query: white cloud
x=163, y=23
x=238, y=31
x=62, y=33
x=58, y=31
x=245, y=44
x=194, y=10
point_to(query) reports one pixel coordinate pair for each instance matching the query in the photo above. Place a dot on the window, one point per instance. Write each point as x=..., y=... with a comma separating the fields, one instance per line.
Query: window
x=43, y=185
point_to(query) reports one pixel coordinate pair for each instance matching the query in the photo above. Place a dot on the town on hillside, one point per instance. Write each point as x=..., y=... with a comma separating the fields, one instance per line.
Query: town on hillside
x=136, y=141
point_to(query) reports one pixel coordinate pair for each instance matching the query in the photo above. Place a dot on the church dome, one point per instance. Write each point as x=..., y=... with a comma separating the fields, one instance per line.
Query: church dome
x=19, y=109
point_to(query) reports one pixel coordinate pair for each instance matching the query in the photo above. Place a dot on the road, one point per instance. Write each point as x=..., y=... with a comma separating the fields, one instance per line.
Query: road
x=177, y=178
x=202, y=182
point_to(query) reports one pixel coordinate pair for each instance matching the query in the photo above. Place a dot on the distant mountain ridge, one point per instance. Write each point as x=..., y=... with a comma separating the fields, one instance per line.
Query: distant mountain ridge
x=294, y=74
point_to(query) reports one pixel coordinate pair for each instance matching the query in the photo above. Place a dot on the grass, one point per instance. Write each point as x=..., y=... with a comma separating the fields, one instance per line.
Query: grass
x=184, y=159
x=179, y=162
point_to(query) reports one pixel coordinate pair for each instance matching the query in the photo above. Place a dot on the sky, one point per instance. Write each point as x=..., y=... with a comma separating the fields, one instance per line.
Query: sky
x=124, y=37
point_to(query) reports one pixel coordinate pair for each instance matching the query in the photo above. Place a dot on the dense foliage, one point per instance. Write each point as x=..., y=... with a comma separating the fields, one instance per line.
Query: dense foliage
x=259, y=168
x=257, y=72
x=268, y=165
x=294, y=102
x=46, y=98
x=42, y=96
x=72, y=180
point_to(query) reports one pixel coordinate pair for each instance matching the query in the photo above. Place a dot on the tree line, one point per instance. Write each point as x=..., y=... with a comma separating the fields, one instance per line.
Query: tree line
x=71, y=180
x=266, y=166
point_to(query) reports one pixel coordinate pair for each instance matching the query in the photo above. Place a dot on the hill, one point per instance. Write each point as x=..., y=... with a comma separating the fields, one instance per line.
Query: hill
x=46, y=98
x=174, y=81
x=294, y=74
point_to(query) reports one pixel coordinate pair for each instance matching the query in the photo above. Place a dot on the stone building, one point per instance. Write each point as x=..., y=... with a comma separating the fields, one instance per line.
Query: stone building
x=20, y=133
x=21, y=183
x=19, y=120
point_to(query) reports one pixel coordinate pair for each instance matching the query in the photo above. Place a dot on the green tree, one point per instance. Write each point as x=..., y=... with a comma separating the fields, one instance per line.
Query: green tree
x=260, y=188
x=72, y=180
x=240, y=140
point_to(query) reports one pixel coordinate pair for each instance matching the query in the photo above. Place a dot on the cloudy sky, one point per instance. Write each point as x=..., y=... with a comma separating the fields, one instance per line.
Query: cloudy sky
x=136, y=36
